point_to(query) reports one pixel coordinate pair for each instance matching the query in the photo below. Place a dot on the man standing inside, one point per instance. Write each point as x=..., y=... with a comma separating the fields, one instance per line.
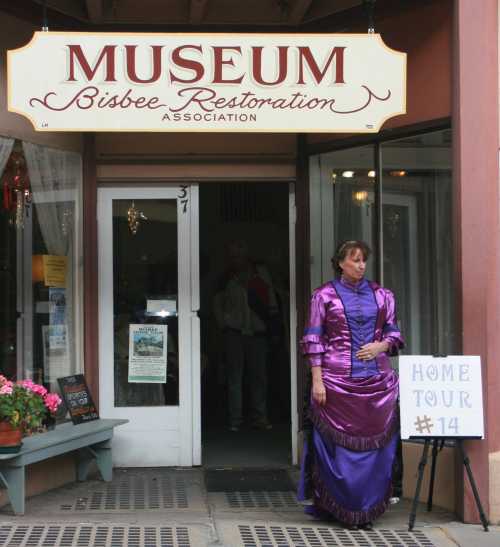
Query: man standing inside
x=246, y=309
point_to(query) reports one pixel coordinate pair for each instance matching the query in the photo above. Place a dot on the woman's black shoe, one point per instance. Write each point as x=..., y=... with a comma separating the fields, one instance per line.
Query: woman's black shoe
x=348, y=526
x=367, y=526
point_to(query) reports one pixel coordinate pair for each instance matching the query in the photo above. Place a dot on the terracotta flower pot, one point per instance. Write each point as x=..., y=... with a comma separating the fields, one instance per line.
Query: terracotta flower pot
x=10, y=438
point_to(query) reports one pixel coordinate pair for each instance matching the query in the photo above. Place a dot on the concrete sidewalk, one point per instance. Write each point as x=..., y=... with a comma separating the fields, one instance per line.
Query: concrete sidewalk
x=172, y=508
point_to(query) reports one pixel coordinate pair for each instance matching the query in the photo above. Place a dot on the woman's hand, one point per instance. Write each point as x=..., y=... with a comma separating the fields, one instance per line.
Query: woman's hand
x=319, y=392
x=371, y=350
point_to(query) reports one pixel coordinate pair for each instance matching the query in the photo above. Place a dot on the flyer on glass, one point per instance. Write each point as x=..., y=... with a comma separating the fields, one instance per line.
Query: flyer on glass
x=147, y=362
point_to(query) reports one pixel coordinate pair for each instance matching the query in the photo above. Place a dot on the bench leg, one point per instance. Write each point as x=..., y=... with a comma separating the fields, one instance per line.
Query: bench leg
x=85, y=457
x=13, y=480
x=103, y=457
x=104, y=460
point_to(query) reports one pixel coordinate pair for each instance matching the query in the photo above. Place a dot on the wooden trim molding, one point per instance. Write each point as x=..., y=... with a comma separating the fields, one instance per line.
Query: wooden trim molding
x=303, y=265
x=90, y=271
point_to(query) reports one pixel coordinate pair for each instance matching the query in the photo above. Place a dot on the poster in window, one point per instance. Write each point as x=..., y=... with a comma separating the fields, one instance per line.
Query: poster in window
x=55, y=351
x=147, y=362
x=54, y=269
x=57, y=306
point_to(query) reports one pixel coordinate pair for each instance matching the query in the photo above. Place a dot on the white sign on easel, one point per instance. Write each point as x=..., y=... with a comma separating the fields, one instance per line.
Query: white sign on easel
x=441, y=396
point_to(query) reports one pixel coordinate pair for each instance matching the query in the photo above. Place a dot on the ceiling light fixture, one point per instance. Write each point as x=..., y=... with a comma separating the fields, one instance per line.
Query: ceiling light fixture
x=348, y=174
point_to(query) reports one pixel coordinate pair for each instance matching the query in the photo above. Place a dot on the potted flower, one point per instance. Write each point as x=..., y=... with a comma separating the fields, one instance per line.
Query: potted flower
x=23, y=407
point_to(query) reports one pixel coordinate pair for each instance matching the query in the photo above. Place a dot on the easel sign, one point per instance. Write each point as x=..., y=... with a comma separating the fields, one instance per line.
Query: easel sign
x=441, y=397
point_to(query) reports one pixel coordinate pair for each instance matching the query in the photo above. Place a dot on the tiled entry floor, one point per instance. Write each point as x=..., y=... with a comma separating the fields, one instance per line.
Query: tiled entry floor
x=172, y=508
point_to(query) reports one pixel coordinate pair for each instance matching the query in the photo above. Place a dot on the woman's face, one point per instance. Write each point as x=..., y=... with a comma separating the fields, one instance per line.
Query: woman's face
x=353, y=266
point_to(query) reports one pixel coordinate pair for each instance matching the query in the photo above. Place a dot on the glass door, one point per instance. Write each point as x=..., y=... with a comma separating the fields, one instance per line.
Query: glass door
x=148, y=323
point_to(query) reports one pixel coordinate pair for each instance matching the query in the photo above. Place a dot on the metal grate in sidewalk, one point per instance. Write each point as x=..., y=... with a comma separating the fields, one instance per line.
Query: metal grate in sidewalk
x=318, y=536
x=133, y=491
x=83, y=535
x=262, y=500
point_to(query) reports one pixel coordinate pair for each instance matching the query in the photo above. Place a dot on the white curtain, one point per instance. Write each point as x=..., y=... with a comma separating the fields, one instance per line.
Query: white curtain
x=55, y=177
x=6, y=145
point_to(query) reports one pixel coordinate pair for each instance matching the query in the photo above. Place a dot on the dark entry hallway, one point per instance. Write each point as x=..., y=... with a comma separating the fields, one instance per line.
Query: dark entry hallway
x=245, y=226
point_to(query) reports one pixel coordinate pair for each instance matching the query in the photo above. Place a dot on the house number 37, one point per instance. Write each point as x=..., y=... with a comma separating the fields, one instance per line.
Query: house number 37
x=183, y=197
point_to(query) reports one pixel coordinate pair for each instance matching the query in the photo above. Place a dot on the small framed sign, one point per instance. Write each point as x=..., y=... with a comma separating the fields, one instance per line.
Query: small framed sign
x=441, y=396
x=78, y=400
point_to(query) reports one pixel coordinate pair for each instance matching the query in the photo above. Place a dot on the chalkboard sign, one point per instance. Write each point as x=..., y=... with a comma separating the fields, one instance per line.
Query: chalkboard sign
x=441, y=396
x=78, y=399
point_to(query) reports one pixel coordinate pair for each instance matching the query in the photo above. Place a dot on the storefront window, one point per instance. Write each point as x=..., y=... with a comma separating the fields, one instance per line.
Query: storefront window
x=40, y=263
x=146, y=293
x=342, y=205
x=417, y=232
x=415, y=222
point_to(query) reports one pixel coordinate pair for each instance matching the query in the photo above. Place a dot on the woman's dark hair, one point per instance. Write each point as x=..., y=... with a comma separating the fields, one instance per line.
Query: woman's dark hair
x=344, y=249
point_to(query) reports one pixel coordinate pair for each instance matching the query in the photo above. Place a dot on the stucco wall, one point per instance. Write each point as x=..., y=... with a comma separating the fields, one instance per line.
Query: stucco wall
x=444, y=485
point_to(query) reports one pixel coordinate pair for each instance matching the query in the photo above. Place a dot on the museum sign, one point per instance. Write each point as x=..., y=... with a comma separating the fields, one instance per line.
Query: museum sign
x=314, y=83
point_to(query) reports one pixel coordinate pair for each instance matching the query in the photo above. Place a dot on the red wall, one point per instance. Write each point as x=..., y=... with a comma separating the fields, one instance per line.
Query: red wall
x=424, y=32
x=476, y=129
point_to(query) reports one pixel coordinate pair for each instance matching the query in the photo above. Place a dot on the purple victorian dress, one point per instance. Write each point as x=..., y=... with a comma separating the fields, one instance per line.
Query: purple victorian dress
x=348, y=458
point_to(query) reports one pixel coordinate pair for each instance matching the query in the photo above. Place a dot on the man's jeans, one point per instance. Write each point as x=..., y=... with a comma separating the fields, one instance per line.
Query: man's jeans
x=250, y=352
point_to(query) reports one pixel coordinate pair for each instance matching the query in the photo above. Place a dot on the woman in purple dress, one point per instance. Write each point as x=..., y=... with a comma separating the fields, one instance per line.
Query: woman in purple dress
x=351, y=333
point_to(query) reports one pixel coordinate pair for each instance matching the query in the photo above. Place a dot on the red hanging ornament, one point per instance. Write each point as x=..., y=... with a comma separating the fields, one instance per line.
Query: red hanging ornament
x=16, y=193
x=6, y=198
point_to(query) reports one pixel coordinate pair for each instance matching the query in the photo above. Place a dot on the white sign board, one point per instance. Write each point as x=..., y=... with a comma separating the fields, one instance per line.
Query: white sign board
x=147, y=361
x=441, y=396
x=299, y=83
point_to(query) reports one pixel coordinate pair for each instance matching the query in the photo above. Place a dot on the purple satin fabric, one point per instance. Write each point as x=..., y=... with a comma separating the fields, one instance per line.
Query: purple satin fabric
x=328, y=338
x=350, y=456
x=360, y=410
x=352, y=486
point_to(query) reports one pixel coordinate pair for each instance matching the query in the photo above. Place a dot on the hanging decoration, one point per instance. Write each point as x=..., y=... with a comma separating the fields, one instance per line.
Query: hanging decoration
x=134, y=216
x=16, y=191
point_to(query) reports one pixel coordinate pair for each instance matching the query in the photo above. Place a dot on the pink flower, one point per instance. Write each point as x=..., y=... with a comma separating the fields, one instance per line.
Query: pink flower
x=6, y=389
x=35, y=388
x=39, y=390
x=52, y=402
x=3, y=379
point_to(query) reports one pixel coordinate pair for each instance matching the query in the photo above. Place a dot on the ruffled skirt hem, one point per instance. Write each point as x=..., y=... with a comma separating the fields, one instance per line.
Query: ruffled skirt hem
x=324, y=501
x=359, y=444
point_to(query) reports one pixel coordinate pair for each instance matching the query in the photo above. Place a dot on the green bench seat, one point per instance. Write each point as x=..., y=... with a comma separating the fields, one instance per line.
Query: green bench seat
x=92, y=441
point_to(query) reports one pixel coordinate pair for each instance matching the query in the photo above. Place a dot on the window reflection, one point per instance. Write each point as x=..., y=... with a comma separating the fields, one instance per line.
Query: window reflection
x=342, y=205
x=145, y=293
x=416, y=254
x=417, y=238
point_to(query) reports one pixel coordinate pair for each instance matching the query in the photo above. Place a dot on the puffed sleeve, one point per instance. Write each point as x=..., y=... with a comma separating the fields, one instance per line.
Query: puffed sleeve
x=390, y=331
x=313, y=342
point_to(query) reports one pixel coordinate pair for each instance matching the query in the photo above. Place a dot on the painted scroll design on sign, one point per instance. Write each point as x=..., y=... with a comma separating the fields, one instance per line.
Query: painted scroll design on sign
x=202, y=82
x=90, y=98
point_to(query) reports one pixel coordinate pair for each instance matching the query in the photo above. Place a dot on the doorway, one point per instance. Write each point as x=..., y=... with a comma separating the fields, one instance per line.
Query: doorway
x=248, y=223
x=148, y=324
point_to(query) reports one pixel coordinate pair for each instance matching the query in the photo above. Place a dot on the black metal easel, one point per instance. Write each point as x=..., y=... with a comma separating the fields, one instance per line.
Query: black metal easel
x=421, y=468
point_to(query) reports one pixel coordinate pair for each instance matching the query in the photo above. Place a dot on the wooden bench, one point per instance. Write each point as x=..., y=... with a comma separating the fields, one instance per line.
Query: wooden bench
x=92, y=440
